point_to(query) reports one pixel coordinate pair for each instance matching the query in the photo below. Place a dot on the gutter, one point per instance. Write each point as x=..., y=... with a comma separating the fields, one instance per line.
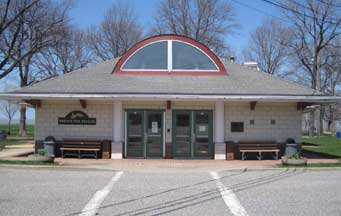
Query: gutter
x=165, y=97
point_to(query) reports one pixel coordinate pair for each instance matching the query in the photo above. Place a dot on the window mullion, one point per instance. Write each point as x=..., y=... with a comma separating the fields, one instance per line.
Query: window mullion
x=169, y=56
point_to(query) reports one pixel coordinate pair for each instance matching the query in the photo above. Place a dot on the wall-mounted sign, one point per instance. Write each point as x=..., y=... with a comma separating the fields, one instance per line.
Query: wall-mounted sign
x=202, y=128
x=154, y=127
x=77, y=118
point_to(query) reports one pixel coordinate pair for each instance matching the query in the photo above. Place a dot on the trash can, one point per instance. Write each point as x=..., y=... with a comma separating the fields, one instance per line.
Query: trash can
x=2, y=135
x=49, y=146
x=291, y=148
x=338, y=134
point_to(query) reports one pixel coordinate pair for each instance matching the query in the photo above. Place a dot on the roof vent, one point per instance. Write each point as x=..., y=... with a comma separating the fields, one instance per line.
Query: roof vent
x=253, y=65
x=232, y=59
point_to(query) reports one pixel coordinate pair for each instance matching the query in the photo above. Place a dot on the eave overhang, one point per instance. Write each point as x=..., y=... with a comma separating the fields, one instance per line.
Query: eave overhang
x=165, y=97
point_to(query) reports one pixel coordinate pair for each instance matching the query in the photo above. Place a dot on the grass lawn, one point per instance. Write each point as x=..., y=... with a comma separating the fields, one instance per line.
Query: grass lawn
x=20, y=162
x=325, y=144
x=15, y=129
x=16, y=141
x=338, y=164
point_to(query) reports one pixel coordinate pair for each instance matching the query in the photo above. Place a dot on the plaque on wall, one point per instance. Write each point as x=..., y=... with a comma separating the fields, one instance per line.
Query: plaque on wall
x=77, y=118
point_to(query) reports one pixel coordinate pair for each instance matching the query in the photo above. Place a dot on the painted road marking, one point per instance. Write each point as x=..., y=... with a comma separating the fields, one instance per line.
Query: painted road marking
x=229, y=197
x=92, y=207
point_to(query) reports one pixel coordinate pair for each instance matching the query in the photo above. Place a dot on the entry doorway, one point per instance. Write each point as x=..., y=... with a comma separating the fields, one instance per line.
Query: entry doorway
x=144, y=133
x=192, y=134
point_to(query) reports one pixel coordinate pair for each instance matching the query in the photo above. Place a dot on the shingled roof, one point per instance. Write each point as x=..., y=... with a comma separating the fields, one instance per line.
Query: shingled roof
x=98, y=79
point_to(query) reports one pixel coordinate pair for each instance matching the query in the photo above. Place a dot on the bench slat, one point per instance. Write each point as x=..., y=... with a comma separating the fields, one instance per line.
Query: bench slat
x=82, y=146
x=251, y=150
x=81, y=149
x=258, y=146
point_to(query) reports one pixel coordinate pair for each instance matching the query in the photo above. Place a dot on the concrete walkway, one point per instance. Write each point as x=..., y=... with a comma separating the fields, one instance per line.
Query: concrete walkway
x=16, y=150
x=159, y=165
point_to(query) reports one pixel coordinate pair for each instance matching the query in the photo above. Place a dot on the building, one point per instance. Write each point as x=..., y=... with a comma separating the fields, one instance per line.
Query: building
x=168, y=96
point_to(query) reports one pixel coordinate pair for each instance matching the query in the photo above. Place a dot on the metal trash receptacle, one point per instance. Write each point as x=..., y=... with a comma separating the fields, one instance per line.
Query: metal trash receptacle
x=291, y=149
x=49, y=146
x=2, y=135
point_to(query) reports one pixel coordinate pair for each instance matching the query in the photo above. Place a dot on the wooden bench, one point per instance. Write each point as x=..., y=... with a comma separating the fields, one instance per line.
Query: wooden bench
x=81, y=148
x=259, y=147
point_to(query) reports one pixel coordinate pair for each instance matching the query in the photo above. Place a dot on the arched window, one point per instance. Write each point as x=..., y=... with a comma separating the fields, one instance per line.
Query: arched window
x=188, y=57
x=152, y=56
x=170, y=54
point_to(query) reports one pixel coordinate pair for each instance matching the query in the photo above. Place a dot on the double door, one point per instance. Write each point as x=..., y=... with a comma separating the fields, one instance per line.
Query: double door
x=192, y=134
x=144, y=133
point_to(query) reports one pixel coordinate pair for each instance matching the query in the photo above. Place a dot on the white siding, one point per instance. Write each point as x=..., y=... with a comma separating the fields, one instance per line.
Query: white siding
x=47, y=120
x=286, y=115
x=288, y=119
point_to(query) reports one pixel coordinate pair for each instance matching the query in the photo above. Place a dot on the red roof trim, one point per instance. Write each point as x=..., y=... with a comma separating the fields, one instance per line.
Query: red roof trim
x=202, y=47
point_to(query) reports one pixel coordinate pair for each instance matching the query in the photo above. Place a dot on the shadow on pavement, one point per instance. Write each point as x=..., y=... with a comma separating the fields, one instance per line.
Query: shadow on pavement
x=189, y=201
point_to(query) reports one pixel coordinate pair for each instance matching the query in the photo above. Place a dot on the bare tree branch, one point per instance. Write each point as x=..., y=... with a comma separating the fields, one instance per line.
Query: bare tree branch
x=207, y=21
x=116, y=34
x=267, y=46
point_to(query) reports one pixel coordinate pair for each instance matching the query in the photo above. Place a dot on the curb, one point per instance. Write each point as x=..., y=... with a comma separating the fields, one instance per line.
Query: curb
x=105, y=168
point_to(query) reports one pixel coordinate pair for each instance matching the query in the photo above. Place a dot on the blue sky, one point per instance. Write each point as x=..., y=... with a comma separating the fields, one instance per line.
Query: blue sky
x=249, y=15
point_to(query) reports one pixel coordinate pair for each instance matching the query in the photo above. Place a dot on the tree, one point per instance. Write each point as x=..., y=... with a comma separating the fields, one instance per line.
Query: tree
x=331, y=78
x=9, y=110
x=65, y=55
x=116, y=34
x=314, y=26
x=267, y=46
x=207, y=21
x=39, y=28
x=11, y=23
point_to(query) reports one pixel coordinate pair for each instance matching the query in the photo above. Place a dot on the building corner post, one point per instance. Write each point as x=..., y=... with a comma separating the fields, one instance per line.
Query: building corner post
x=117, y=141
x=219, y=121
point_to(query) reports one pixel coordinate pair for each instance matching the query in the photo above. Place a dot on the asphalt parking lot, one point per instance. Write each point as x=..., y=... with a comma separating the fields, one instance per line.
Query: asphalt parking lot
x=65, y=191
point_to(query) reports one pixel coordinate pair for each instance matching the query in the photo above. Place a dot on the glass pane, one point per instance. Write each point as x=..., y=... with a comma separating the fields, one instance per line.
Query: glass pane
x=153, y=56
x=135, y=134
x=182, y=136
x=202, y=133
x=154, y=131
x=187, y=57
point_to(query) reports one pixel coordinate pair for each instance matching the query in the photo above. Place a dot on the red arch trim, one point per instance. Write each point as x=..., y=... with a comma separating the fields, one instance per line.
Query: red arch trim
x=202, y=47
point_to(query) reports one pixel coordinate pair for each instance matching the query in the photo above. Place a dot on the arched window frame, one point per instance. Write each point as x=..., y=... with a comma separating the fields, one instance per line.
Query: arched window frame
x=170, y=38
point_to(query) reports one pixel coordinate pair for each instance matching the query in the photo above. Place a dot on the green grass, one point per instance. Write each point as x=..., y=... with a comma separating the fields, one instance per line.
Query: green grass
x=15, y=129
x=15, y=141
x=337, y=164
x=19, y=162
x=326, y=144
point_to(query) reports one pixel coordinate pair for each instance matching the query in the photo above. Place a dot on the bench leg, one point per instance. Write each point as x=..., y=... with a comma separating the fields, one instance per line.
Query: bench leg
x=79, y=154
x=62, y=153
x=259, y=155
x=276, y=155
x=243, y=155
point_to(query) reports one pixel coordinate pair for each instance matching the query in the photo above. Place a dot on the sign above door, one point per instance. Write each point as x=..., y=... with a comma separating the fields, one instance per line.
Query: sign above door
x=77, y=118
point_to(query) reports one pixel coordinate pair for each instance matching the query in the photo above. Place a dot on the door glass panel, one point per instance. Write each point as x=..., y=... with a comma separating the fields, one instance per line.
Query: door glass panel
x=154, y=134
x=201, y=140
x=135, y=146
x=183, y=134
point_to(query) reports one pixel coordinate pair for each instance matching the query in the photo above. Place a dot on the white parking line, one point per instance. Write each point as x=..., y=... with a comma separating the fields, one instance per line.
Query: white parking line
x=229, y=197
x=92, y=207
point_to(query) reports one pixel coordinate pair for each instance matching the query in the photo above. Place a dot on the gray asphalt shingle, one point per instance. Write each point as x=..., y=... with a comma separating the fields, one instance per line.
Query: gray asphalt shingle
x=240, y=80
